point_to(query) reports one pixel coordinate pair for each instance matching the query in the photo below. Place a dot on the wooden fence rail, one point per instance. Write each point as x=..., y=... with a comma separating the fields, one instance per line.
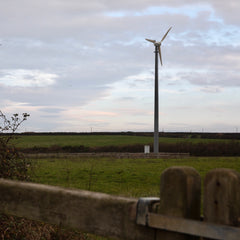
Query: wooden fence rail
x=176, y=216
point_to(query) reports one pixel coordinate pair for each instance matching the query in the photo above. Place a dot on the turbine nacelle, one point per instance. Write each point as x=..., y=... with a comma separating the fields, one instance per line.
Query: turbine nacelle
x=158, y=44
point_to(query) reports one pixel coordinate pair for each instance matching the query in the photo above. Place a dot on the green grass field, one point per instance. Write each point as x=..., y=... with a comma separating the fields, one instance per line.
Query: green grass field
x=123, y=177
x=126, y=177
x=76, y=140
x=96, y=140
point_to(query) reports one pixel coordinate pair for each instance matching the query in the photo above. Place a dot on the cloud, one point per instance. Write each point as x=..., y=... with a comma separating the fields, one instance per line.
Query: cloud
x=211, y=89
x=63, y=55
x=213, y=78
x=26, y=78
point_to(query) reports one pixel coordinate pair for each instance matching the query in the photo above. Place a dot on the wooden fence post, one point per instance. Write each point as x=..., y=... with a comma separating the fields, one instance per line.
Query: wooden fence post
x=180, y=194
x=222, y=197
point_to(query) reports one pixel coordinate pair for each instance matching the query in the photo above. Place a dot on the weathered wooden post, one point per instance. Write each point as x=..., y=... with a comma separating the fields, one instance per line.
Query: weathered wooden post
x=222, y=197
x=180, y=194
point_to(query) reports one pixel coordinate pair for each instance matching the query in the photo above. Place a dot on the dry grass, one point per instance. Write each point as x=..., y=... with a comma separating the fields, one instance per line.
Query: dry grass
x=15, y=228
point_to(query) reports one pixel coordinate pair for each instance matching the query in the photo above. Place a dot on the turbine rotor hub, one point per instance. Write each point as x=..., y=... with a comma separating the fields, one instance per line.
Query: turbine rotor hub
x=157, y=44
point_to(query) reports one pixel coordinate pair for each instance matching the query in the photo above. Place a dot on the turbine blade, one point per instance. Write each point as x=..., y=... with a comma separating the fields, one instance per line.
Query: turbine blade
x=150, y=40
x=166, y=34
x=160, y=55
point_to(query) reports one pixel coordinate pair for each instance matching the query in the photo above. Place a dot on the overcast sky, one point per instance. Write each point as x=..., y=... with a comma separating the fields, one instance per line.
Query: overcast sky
x=84, y=66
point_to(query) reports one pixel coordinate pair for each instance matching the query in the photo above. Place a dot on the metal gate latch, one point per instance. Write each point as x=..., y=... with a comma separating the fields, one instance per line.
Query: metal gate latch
x=144, y=206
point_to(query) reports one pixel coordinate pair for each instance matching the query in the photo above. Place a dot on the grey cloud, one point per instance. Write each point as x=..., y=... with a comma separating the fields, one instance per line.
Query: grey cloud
x=50, y=96
x=208, y=78
x=125, y=99
x=229, y=10
x=138, y=124
x=52, y=110
x=211, y=89
x=88, y=49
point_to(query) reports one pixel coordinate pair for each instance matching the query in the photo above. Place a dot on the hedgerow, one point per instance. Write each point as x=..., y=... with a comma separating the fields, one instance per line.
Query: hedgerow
x=224, y=148
x=13, y=164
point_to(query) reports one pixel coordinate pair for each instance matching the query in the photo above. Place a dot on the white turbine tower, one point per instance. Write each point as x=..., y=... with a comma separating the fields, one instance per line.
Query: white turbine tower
x=156, y=108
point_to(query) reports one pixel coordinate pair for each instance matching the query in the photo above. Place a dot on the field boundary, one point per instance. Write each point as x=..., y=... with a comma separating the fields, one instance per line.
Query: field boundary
x=117, y=155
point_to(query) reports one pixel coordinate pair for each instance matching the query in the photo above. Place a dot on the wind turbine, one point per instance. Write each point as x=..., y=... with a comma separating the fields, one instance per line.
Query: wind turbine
x=156, y=108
